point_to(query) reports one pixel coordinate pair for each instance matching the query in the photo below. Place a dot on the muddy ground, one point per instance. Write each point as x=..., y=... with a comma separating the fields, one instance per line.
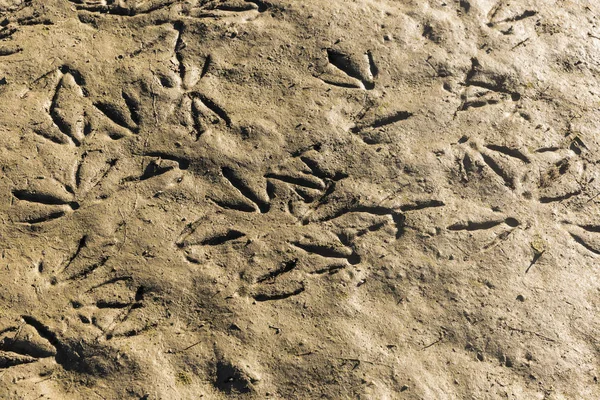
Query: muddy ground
x=285, y=199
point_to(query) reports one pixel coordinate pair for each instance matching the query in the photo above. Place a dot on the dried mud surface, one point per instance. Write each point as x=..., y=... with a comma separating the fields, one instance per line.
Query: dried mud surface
x=286, y=199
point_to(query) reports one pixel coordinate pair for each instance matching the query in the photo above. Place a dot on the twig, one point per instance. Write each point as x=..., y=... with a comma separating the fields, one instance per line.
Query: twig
x=533, y=333
x=536, y=257
x=431, y=65
x=357, y=361
x=593, y=36
x=187, y=348
x=276, y=329
x=592, y=198
x=124, y=230
x=99, y=395
x=434, y=343
x=521, y=43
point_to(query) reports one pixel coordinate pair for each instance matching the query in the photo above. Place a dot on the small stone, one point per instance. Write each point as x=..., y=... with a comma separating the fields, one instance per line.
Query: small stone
x=521, y=298
x=404, y=388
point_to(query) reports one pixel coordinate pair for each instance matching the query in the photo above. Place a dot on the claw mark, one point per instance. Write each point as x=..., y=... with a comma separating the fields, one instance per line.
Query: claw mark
x=88, y=270
x=278, y=296
x=111, y=304
x=222, y=239
x=215, y=240
x=422, y=204
x=552, y=199
x=9, y=50
x=547, y=149
x=114, y=8
x=332, y=269
x=372, y=66
x=206, y=66
x=524, y=15
x=477, y=104
x=591, y=228
x=20, y=350
x=508, y=180
x=78, y=170
x=213, y=9
x=321, y=173
x=236, y=7
x=9, y=359
x=45, y=218
x=179, y=46
x=329, y=251
x=110, y=282
x=48, y=135
x=582, y=242
x=80, y=245
x=62, y=355
x=116, y=115
x=383, y=121
x=214, y=107
x=270, y=190
x=206, y=112
x=134, y=107
x=239, y=206
x=305, y=194
x=70, y=125
x=197, y=116
x=345, y=64
x=515, y=153
x=375, y=210
x=297, y=181
x=398, y=217
x=286, y=267
x=475, y=226
x=340, y=84
x=43, y=198
x=244, y=189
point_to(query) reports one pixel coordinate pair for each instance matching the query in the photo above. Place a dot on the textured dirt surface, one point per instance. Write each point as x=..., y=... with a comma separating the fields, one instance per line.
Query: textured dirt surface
x=299, y=199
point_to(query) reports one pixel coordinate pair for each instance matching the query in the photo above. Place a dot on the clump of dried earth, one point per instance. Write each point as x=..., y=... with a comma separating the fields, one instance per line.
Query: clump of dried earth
x=286, y=199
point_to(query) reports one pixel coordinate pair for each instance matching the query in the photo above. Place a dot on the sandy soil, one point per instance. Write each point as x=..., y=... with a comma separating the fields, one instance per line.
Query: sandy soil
x=283, y=199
